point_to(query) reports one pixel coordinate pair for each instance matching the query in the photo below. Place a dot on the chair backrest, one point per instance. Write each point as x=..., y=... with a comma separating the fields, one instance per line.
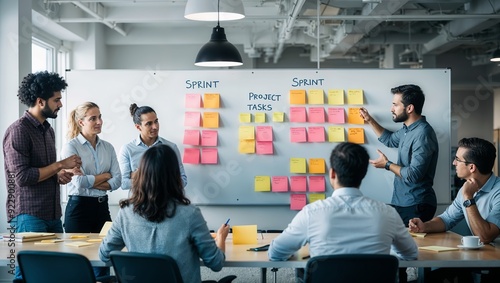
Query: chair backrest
x=55, y=267
x=140, y=267
x=350, y=268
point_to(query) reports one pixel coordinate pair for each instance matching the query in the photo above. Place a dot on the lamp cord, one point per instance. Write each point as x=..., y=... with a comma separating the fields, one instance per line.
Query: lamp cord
x=218, y=13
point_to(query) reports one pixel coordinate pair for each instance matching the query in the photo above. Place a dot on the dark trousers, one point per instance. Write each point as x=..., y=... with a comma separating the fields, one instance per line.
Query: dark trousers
x=87, y=215
x=423, y=211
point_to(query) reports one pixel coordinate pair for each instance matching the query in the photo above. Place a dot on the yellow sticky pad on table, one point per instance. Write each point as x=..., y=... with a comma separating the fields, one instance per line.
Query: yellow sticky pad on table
x=244, y=235
x=97, y=240
x=78, y=237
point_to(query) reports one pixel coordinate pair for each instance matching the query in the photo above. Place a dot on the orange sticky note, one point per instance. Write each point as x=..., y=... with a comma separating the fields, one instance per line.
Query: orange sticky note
x=191, y=137
x=336, y=96
x=279, y=183
x=262, y=183
x=191, y=156
x=316, y=165
x=209, y=155
x=356, y=135
x=354, y=117
x=211, y=100
x=244, y=234
x=298, y=134
x=297, y=96
x=316, y=134
x=264, y=147
x=264, y=133
x=298, y=114
x=210, y=119
x=193, y=100
x=297, y=201
x=192, y=119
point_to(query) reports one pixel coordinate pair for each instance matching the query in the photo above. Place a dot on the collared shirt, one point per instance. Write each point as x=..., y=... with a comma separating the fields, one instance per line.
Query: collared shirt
x=130, y=158
x=346, y=222
x=185, y=237
x=28, y=146
x=417, y=155
x=487, y=202
x=96, y=161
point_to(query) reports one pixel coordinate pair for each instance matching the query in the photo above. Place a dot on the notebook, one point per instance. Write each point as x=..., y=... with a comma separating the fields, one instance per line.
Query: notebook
x=29, y=236
x=78, y=244
x=438, y=248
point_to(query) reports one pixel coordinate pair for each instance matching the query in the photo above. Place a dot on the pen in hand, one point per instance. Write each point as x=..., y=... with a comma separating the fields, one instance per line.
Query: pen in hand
x=225, y=224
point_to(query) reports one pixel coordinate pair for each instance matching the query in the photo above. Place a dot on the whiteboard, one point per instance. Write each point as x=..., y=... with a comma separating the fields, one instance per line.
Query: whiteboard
x=231, y=180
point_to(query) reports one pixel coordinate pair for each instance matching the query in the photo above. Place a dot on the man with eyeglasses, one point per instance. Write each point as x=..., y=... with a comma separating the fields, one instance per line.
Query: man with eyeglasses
x=478, y=201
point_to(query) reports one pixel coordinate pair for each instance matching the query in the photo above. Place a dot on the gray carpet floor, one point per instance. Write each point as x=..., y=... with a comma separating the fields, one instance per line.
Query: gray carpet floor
x=250, y=275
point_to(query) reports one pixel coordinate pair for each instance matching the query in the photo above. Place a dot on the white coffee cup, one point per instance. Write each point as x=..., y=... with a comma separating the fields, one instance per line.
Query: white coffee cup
x=471, y=241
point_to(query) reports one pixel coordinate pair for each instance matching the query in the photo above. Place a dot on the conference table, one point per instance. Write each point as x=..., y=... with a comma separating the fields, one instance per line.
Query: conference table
x=239, y=256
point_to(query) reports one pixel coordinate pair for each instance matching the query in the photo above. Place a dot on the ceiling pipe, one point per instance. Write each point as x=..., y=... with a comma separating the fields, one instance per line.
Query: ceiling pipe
x=287, y=28
x=89, y=11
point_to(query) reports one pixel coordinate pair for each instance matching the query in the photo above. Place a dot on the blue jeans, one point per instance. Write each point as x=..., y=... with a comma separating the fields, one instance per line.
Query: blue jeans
x=29, y=223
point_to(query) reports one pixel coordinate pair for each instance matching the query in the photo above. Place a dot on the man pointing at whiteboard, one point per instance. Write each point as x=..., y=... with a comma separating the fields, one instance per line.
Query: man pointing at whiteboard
x=413, y=195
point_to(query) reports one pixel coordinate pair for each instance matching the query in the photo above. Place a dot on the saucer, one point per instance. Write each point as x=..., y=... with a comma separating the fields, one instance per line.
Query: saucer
x=470, y=248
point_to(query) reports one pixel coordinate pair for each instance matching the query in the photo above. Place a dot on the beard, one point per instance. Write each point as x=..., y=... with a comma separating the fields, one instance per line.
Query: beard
x=401, y=117
x=48, y=113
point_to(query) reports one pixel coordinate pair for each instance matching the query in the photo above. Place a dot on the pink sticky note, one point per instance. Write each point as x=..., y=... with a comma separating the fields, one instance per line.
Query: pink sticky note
x=209, y=155
x=316, y=115
x=298, y=134
x=298, y=114
x=209, y=138
x=192, y=119
x=298, y=183
x=316, y=134
x=191, y=156
x=264, y=147
x=191, y=137
x=279, y=184
x=336, y=115
x=264, y=133
x=193, y=100
x=316, y=183
x=297, y=201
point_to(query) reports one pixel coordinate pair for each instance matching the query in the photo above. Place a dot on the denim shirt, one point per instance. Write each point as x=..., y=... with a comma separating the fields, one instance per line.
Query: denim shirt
x=418, y=152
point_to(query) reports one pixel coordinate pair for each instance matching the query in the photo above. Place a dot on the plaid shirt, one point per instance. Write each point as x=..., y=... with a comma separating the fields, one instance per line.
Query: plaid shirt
x=28, y=146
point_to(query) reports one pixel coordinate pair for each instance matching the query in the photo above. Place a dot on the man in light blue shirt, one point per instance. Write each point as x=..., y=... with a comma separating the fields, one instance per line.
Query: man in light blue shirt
x=146, y=122
x=478, y=201
x=346, y=222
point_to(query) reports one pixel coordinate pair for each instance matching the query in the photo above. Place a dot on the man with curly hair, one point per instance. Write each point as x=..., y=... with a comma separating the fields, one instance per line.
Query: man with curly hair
x=32, y=172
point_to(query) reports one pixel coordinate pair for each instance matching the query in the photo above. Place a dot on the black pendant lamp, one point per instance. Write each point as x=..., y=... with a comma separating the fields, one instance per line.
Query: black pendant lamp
x=218, y=52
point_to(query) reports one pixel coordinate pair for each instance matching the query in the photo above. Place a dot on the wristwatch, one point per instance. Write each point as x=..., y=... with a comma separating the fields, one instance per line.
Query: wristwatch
x=388, y=165
x=469, y=202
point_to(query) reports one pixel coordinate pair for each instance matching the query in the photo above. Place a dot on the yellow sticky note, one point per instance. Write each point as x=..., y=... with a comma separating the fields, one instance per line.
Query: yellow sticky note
x=210, y=119
x=262, y=183
x=316, y=165
x=336, y=96
x=315, y=197
x=297, y=96
x=246, y=146
x=278, y=116
x=78, y=236
x=336, y=134
x=356, y=135
x=260, y=117
x=297, y=165
x=246, y=133
x=316, y=96
x=355, y=96
x=211, y=100
x=245, y=117
x=244, y=235
x=353, y=117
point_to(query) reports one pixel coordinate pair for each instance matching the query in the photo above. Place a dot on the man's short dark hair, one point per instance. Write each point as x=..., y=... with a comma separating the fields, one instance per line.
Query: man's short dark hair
x=481, y=153
x=411, y=94
x=40, y=85
x=350, y=163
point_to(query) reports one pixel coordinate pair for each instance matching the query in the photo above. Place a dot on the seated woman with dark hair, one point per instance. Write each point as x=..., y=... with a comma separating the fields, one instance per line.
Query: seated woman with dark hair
x=159, y=219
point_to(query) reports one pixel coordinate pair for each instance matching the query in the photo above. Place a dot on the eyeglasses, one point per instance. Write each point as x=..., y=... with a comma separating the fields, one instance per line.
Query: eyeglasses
x=463, y=161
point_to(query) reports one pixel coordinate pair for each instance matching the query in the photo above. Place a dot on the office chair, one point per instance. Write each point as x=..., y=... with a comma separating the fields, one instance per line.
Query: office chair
x=347, y=268
x=56, y=267
x=141, y=267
